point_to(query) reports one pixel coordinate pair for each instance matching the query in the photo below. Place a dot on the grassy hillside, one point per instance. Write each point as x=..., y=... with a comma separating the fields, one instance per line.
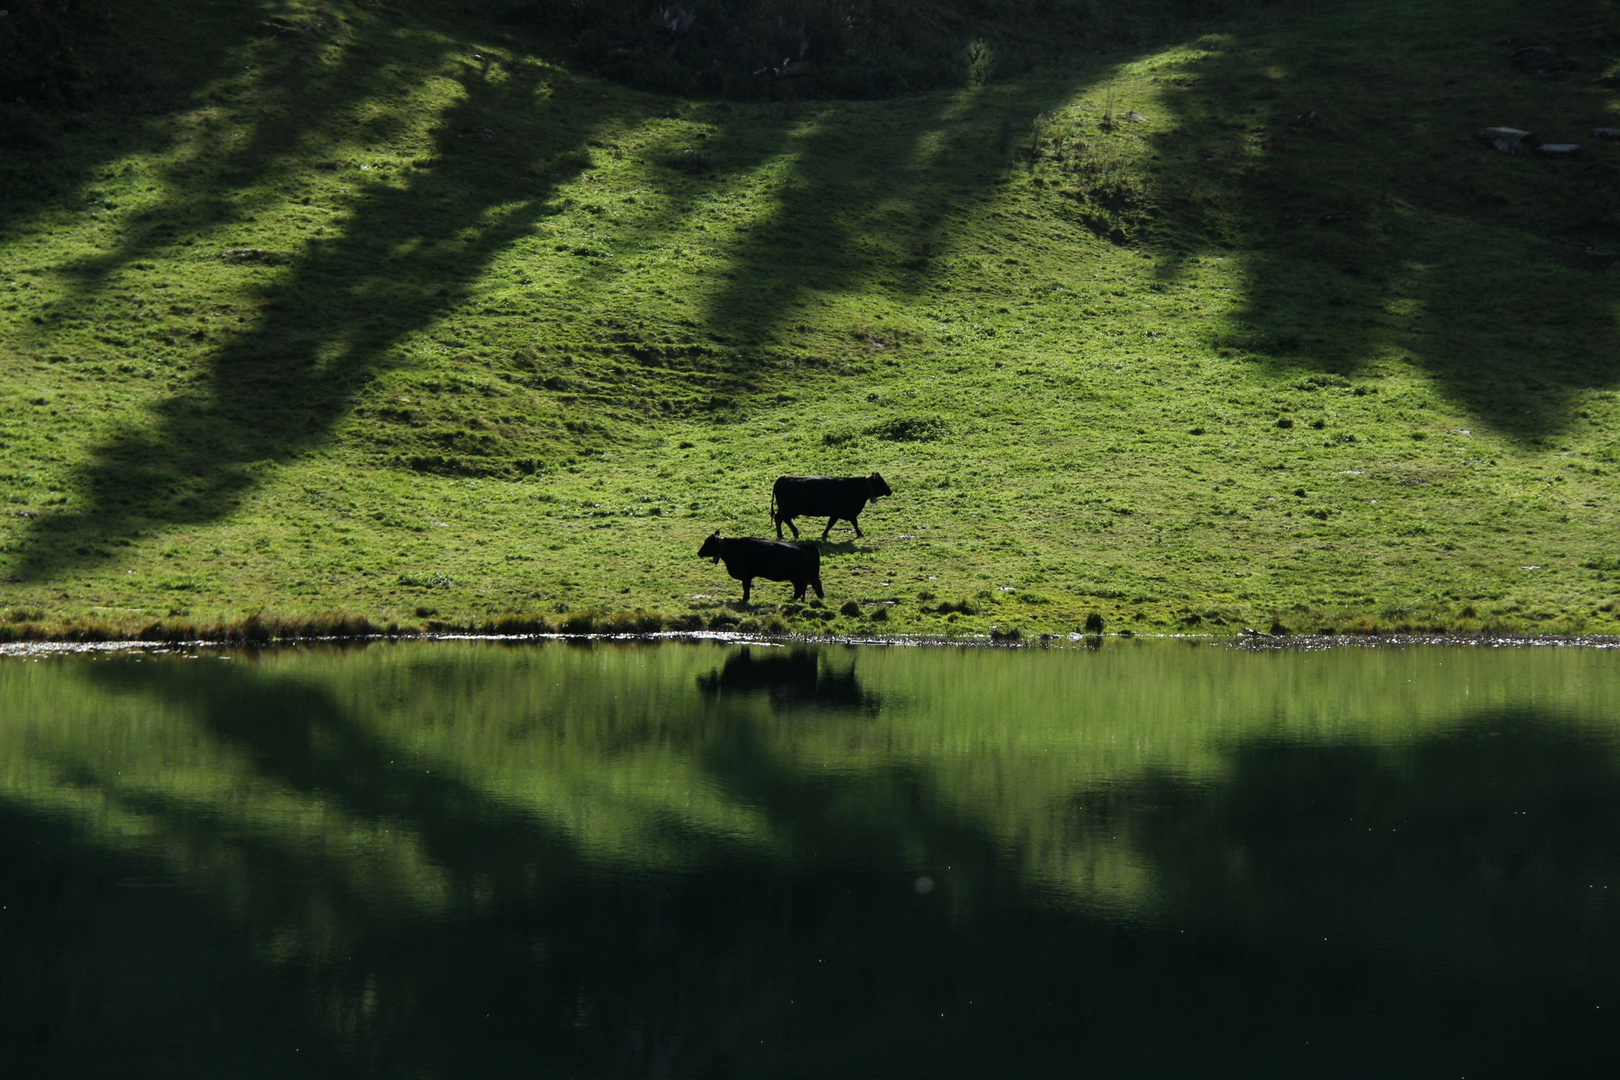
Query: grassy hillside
x=364, y=310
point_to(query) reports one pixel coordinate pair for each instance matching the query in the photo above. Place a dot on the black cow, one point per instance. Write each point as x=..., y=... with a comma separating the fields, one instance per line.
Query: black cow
x=773, y=560
x=837, y=496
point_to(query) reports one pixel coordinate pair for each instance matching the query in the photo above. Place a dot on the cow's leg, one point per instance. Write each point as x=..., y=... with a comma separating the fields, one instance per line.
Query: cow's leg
x=748, y=585
x=790, y=525
x=816, y=581
x=828, y=530
x=779, y=528
x=856, y=521
x=798, y=588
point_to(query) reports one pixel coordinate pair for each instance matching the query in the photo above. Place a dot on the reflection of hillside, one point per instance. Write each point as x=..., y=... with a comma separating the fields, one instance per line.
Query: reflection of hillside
x=1444, y=904
x=1492, y=850
x=790, y=678
x=97, y=964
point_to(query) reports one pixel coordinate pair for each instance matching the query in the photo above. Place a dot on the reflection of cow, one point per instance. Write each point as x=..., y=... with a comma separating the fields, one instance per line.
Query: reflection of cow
x=773, y=560
x=791, y=678
x=811, y=496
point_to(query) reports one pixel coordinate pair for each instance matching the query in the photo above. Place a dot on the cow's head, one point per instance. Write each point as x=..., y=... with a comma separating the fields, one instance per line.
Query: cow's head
x=876, y=487
x=711, y=548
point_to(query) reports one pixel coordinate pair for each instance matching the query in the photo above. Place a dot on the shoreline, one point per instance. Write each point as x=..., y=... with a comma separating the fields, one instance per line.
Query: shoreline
x=1254, y=641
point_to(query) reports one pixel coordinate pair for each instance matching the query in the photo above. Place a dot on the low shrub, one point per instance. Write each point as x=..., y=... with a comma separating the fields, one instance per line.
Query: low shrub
x=912, y=429
x=639, y=621
x=580, y=622
x=517, y=624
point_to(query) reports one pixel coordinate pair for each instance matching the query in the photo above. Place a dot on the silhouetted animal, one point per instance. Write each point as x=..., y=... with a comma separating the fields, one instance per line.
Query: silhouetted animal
x=811, y=496
x=773, y=560
x=792, y=678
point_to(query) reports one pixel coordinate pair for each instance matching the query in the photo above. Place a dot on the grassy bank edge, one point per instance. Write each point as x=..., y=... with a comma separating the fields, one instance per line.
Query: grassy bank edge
x=765, y=625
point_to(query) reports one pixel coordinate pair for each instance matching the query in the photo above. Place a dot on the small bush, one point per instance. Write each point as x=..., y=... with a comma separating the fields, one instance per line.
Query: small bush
x=1094, y=623
x=911, y=429
x=850, y=608
x=516, y=624
x=339, y=625
x=580, y=622
x=88, y=631
x=252, y=630
x=638, y=621
x=978, y=63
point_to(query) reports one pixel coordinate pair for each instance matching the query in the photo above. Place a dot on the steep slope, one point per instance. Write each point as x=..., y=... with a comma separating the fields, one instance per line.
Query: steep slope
x=361, y=310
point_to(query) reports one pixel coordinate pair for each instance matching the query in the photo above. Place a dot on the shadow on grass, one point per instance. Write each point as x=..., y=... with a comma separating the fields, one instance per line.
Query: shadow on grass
x=843, y=198
x=862, y=213
x=1324, y=909
x=410, y=247
x=848, y=545
x=850, y=214
x=407, y=253
x=1343, y=136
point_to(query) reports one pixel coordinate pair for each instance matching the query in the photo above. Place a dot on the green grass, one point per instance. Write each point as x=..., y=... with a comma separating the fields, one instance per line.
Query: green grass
x=339, y=312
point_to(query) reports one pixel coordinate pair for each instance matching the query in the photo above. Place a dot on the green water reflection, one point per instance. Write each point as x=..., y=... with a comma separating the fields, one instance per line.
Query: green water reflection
x=482, y=860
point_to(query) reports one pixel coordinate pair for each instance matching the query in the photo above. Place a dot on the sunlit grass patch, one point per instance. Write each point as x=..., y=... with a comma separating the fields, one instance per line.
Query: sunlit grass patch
x=1146, y=337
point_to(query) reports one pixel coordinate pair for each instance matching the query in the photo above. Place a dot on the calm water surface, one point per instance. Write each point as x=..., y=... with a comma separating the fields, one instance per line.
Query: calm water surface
x=484, y=860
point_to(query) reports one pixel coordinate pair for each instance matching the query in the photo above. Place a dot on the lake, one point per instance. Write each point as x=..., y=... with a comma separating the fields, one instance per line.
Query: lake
x=483, y=859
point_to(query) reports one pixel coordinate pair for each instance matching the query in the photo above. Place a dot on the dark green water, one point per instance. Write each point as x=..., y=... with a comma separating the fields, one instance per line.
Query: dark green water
x=477, y=860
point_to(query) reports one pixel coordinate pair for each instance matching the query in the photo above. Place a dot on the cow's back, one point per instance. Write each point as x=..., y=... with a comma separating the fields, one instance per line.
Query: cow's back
x=776, y=560
x=797, y=495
